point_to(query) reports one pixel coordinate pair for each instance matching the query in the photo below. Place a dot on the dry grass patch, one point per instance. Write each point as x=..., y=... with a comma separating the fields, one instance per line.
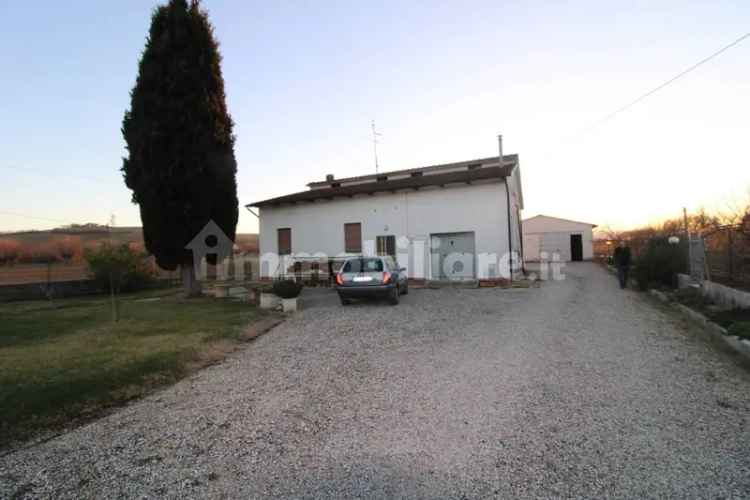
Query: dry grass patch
x=64, y=360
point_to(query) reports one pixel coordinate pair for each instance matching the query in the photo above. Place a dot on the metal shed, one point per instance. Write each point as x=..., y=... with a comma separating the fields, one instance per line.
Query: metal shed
x=548, y=238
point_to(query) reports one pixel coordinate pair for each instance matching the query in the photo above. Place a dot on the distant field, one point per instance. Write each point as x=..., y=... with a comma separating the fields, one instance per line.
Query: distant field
x=20, y=274
x=116, y=235
x=24, y=272
x=247, y=241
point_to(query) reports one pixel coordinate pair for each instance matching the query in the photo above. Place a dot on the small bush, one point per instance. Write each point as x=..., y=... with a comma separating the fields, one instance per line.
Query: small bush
x=10, y=250
x=119, y=266
x=287, y=289
x=137, y=247
x=42, y=253
x=642, y=277
x=659, y=262
x=69, y=248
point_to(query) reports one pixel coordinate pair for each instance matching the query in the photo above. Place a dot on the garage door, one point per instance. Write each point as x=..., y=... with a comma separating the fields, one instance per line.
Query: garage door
x=452, y=256
x=556, y=246
x=531, y=243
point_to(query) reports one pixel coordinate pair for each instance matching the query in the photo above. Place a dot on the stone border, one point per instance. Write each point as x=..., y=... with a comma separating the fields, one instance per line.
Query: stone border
x=258, y=328
x=740, y=346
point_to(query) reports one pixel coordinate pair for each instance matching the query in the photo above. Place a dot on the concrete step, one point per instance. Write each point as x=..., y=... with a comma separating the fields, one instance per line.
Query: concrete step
x=452, y=284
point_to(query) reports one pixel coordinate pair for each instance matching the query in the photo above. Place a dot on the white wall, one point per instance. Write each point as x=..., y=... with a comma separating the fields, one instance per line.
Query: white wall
x=318, y=227
x=552, y=235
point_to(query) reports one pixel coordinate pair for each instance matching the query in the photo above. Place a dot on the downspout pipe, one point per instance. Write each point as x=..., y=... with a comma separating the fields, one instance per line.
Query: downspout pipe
x=510, y=241
x=507, y=208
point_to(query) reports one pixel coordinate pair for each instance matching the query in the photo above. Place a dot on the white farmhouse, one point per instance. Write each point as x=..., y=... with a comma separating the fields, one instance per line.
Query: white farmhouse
x=453, y=221
x=552, y=238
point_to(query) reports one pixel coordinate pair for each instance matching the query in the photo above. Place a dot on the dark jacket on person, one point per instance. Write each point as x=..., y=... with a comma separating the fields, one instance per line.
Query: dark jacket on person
x=622, y=257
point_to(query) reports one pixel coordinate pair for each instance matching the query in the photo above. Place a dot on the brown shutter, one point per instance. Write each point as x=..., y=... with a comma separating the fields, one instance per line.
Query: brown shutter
x=386, y=245
x=285, y=241
x=353, y=237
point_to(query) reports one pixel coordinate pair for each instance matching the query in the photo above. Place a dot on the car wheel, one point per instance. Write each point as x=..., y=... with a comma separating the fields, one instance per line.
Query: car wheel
x=393, y=296
x=345, y=301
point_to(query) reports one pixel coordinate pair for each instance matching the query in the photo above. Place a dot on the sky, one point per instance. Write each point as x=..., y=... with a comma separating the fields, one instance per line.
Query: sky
x=441, y=79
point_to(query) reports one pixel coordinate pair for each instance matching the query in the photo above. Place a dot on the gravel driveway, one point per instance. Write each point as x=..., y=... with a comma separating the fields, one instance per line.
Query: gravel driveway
x=572, y=389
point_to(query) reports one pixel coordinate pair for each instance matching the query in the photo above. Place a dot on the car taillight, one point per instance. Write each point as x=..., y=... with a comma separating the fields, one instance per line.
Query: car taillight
x=339, y=279
x=386, y=277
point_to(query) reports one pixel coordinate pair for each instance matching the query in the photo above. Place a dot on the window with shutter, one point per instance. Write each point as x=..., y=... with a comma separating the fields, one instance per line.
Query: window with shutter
x=386, y=245
x=285, y=241
x=353, y=237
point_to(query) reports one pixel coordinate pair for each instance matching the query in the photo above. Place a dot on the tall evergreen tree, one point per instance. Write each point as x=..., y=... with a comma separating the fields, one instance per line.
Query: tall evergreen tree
x=180, y=164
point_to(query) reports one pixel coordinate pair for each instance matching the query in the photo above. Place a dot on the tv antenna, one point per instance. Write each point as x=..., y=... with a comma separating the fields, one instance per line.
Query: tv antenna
x=375, y=135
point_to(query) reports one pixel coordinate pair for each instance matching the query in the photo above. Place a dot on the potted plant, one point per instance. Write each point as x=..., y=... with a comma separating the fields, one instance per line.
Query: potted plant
x=288, y=290
x=267, y=298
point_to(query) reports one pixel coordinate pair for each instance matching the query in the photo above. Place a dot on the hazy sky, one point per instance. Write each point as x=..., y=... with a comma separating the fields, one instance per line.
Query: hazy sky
x=441, y=79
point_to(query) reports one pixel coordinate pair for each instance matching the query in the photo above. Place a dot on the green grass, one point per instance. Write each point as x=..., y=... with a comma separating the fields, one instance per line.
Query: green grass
x=730, y=317
x=741, y=329
x=64, y=360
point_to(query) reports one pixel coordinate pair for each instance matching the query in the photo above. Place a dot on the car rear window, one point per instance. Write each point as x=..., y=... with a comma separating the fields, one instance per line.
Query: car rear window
x=363, y=266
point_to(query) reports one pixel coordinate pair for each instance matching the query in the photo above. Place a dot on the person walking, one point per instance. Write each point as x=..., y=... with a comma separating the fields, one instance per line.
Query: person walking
x=622, y=262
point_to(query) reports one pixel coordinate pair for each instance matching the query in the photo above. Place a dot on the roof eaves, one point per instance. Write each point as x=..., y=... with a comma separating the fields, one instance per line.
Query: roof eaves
x=440, y=179
x=560, y=218
x=512, y=158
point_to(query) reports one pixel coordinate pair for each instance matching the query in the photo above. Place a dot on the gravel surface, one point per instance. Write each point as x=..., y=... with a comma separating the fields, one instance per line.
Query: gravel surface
x=572, y=389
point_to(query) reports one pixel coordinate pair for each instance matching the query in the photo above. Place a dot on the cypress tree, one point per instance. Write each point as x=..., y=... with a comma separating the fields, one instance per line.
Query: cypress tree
x=180, y=164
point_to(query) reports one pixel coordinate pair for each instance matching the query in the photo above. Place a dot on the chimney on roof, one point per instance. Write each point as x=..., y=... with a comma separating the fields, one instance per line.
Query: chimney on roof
x=329, y=178
x=500, y=147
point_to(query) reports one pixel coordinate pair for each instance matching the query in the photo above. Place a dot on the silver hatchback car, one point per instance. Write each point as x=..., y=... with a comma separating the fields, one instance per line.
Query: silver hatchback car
x=371, y=277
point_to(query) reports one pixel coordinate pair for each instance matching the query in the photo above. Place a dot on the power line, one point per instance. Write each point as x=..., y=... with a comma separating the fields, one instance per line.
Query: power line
x=664, y=84
x=39, y=172
x=46, y=174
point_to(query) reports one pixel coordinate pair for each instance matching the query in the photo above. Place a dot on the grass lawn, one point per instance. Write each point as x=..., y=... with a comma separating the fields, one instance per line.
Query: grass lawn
x=65, y=360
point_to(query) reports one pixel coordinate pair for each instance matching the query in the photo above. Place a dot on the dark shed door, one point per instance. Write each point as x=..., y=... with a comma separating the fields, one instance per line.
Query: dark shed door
x=576, y=247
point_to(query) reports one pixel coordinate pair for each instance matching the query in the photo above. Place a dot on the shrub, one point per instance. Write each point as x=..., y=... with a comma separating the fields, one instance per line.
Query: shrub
x=659, y=262
x=287, y=289
x=41, y=253
x=642, y=278
x=69, y=248
x=10, y=250
x=120, y=267
x=137, y=247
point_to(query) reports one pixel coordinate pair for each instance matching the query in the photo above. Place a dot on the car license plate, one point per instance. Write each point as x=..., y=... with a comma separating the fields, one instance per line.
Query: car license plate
x=360, y=279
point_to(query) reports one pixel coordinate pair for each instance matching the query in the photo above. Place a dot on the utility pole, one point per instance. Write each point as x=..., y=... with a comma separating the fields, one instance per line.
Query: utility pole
x=685, y=219
x=689, y=244
x=375, y=135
